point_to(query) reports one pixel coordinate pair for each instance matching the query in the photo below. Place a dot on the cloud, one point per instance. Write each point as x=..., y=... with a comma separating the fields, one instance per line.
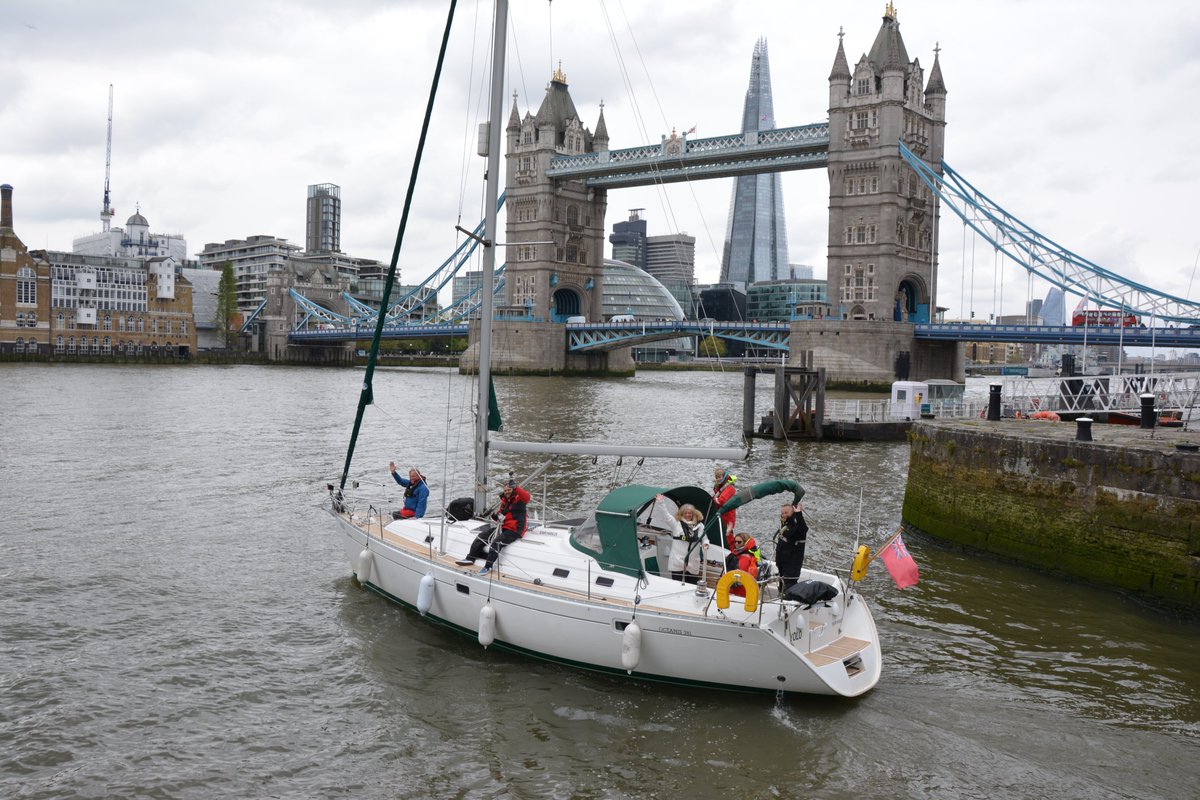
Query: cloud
x=1075, y=116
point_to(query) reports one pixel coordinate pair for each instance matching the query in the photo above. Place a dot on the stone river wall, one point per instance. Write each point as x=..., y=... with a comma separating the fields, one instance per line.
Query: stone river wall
x=1122, y=510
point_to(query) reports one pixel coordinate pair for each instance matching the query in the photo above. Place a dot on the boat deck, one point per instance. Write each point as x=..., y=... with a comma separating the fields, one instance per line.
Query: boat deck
x=837, y=650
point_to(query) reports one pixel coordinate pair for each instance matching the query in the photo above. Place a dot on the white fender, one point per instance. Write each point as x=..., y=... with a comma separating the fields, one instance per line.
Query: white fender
x=487, y=625
x=364, y=565
x=835, y=609
x=425, y=593
x=631, y=646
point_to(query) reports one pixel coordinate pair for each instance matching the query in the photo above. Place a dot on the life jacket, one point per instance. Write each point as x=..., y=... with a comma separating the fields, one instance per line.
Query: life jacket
x=689, y=531
x=723, y=491
x=513, y=511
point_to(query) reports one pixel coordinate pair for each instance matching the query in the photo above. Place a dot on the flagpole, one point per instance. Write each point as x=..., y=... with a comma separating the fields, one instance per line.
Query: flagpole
x=895, y=536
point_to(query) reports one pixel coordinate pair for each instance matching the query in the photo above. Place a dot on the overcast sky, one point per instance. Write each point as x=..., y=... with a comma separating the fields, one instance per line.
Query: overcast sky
x=1078, y=117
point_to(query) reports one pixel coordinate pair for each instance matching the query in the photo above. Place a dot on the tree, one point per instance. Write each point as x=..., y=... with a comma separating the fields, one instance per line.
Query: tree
x=225, y=318
x=712, y=346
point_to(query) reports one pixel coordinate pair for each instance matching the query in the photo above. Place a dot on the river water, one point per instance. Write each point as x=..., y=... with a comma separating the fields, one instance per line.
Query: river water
x=178, y=620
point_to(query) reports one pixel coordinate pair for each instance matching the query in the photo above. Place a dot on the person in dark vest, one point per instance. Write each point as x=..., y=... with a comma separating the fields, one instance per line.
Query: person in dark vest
x=789, y=543
x=416, y=492
x=512, y=517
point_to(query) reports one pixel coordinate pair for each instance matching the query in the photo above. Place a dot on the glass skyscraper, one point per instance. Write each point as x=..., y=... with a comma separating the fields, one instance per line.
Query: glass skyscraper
x=756, y=236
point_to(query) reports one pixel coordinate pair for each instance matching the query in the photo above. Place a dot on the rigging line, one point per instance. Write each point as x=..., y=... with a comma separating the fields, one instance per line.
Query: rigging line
x=512, y=27
x=462, y=180
x=366, y=397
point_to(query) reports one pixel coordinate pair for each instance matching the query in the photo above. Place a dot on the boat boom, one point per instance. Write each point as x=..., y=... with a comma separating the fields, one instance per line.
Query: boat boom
x=630, y=450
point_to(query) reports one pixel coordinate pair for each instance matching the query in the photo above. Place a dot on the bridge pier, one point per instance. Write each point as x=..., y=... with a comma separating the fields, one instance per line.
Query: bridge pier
x=872, y=353
x=540, y=348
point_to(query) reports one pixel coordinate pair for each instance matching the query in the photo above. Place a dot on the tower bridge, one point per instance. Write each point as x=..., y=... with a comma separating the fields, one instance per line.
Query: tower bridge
x=882, y=148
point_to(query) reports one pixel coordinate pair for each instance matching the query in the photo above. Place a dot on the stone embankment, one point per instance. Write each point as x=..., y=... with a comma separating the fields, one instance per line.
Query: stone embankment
x=1122, y=510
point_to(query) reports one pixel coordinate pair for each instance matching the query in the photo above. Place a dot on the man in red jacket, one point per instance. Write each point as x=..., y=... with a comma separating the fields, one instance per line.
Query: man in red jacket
x=512, y=517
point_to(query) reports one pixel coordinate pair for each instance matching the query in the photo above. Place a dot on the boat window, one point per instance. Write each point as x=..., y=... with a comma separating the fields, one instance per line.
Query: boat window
x=604, y=581
x=559, y=572
x=587, y=535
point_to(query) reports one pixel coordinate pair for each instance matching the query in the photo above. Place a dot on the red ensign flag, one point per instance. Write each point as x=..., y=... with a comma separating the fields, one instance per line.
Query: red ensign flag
x=899, y=562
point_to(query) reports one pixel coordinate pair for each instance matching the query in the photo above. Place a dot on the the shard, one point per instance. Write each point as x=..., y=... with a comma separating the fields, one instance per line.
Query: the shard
x=756, y=236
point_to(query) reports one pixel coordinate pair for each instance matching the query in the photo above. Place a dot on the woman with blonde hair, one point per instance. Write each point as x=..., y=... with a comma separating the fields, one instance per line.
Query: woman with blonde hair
x=687, y=544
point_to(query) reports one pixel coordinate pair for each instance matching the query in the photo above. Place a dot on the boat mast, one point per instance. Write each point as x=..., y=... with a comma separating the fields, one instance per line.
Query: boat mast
x=492, y=193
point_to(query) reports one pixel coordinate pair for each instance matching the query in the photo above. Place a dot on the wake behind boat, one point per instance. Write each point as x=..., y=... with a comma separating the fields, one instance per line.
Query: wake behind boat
x=596, y=591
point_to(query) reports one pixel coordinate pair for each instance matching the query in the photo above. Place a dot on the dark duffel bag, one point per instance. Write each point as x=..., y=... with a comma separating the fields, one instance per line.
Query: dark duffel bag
x=811, y=592
x=461, y=509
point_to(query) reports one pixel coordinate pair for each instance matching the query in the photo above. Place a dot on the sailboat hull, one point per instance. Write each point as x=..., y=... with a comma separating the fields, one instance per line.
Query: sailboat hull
x=684, y=639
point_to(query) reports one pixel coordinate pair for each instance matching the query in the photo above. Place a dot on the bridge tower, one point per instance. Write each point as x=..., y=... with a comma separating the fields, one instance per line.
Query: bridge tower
x=554, y=237
x=882, y=218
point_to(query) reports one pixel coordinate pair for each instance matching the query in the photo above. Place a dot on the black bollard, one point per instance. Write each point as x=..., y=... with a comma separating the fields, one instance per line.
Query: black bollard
x=1083, y=429
x=1148, y=416
x=994, y=402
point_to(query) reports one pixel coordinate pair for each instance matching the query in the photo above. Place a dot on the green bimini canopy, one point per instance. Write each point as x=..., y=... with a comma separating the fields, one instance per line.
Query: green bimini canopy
x=615, y=539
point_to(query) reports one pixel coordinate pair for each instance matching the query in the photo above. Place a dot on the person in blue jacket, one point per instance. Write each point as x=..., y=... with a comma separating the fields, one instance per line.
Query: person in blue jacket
x=416, y=493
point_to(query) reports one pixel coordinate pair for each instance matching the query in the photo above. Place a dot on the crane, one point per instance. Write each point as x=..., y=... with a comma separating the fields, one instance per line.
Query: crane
x=106, y=214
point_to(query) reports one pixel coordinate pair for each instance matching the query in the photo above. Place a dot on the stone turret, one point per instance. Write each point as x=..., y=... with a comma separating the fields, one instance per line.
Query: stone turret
x=882, y=222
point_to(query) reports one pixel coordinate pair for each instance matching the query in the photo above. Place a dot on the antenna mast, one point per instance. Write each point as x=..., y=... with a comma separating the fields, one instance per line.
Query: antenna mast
x=106, y=214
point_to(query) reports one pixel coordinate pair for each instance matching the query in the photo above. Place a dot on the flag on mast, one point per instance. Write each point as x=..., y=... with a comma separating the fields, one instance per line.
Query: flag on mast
x=899, y=562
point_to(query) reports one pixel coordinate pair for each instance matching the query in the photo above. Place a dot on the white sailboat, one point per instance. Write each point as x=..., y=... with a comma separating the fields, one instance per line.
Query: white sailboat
x=595, y=591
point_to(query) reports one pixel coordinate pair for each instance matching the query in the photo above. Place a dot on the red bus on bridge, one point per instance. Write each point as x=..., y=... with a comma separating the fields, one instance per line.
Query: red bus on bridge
x=1104, y=316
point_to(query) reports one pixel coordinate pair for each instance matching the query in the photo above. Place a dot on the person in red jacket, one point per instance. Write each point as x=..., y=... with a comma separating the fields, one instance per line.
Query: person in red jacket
x=512, y=517
x=743, y=555
x=723, y=490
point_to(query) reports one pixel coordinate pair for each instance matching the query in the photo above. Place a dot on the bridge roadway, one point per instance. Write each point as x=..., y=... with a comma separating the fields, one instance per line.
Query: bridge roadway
x=680, y=159
x=597, y=336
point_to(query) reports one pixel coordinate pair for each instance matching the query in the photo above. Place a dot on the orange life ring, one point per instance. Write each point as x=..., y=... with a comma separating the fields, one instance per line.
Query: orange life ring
x=1047, y=415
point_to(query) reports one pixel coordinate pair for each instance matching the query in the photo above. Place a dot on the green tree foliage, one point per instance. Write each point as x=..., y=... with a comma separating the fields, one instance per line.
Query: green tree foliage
x=225, y=318
x=712, y=346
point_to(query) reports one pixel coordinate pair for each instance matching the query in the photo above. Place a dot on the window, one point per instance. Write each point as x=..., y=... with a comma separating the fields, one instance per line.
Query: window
x=19, y=347
x=183, y=327
x=26, y=287
x=71, y=344
x=864, y=85
x=58, y=344
x=107, y=346
x=107, y=322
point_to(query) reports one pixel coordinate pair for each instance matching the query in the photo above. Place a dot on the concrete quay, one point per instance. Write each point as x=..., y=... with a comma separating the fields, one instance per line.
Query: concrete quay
x=1121, y=511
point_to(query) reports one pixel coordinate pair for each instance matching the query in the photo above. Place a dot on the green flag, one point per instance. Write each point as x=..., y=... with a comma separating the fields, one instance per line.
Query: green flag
x=494, y=422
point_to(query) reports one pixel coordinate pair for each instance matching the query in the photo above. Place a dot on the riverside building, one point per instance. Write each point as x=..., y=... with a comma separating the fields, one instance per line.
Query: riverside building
x=24, y=290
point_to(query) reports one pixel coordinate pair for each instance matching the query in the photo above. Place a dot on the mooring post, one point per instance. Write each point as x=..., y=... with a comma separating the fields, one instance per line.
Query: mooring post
x=748, y=375
x=1147, y=410
x=993, y=414
x=1083, y=429
x=781, y=402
